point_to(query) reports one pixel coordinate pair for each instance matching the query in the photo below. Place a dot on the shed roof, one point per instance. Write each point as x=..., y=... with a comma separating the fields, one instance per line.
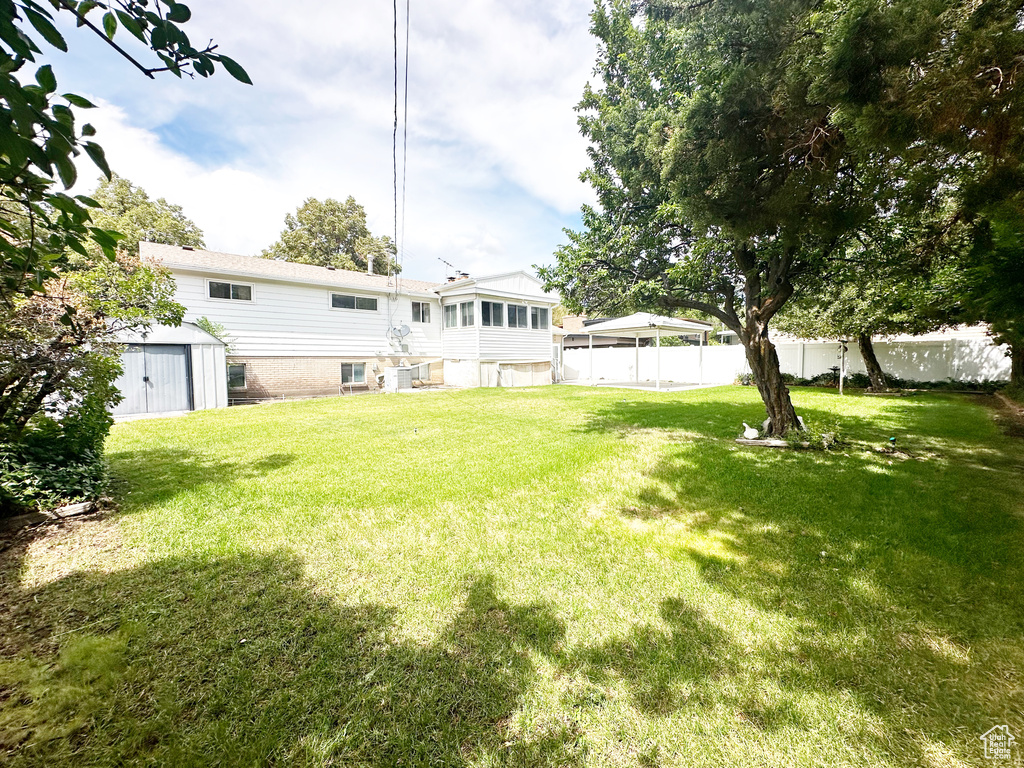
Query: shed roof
x=644, y=325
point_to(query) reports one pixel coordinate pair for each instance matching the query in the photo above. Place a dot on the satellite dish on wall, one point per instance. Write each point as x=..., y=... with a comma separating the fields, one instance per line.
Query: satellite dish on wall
x=402, y=331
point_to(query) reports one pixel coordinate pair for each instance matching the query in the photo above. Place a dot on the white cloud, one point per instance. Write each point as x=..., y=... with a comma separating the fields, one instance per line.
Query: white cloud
x=494, y=150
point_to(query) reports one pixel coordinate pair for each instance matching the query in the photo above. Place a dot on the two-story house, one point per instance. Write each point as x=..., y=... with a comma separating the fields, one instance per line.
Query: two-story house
x=297, y=330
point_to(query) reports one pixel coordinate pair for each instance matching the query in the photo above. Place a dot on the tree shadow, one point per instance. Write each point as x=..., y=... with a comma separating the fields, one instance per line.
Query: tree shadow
x=153, y=476
x=239, y=658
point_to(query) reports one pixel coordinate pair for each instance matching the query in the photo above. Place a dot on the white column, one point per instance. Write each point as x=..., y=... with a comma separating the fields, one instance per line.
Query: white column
x=657, y=383
x=591, y=337
x=636, y=363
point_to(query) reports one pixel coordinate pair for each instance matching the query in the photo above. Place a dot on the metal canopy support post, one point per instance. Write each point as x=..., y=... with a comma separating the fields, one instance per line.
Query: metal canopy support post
x=658, y=382
x=636, y=362
x=700, y=360
x=591, y=337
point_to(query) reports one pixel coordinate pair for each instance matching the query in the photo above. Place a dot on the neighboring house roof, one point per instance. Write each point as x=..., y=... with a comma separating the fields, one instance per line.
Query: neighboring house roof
x=216, y=263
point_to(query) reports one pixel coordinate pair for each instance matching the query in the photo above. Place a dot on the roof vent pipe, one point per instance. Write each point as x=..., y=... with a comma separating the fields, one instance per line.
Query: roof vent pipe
x=331, y=267
x=369, y=263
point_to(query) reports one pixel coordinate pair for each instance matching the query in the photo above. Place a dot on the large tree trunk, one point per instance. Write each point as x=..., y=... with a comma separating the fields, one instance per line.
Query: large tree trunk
x=875, y=372
x=764, y=365
x=1017, y=365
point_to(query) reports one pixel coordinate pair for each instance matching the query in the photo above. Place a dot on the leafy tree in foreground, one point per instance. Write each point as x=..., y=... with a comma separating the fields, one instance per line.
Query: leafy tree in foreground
x=720, y=180
x=332, y=233
x=913, y=76
x=40, y=136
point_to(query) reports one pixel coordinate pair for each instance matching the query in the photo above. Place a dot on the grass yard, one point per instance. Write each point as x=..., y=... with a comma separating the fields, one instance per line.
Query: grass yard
x=553, y=576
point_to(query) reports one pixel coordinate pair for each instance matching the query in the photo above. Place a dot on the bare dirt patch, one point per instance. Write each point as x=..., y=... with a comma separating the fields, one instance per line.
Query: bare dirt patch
x=34, y=557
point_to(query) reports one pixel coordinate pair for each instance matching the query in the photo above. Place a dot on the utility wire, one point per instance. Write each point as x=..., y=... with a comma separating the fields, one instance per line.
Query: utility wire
x=405, y=123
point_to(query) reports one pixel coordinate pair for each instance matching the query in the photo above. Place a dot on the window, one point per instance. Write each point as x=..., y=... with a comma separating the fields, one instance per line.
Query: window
x=353, y=373
x=451, y=315
x=466, y=308
x=344, y=301
x=420, y=312
x=236, y=376
x=229, y=291
x=539, y=316
x=517, y=316
x=490, y=313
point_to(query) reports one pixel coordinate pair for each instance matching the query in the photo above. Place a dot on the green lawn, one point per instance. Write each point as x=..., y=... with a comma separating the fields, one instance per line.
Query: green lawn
x=552, y=576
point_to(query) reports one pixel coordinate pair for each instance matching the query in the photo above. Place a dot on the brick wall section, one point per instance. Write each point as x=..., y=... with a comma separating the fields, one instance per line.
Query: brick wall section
x=270, y=377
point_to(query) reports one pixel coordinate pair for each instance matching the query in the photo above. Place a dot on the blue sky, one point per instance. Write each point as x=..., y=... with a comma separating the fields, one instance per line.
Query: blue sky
x=494, y=150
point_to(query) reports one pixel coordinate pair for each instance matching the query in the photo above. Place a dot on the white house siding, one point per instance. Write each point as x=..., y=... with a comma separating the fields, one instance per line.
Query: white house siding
x=515, y=344
x=462, y=343
x=293, y=320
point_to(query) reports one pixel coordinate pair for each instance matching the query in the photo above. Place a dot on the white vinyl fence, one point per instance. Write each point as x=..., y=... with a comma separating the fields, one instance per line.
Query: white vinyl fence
x=974, y=359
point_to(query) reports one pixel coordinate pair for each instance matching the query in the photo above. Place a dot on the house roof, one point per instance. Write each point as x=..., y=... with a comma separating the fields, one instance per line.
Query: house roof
x=643, y=325
x=214, y=262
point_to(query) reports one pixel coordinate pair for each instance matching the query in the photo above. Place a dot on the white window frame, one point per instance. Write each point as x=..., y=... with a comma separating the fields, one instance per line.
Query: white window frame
x=490, y=309
x=454, y=313
x=462, y=314
x=250, y=286
x=423, y=306
x=245, y=383
x=547, y=318
x=355, y=300
x=526, y=314
x=354, y=381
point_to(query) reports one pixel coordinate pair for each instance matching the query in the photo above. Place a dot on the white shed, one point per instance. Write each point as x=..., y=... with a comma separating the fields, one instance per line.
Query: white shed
x=169, y=370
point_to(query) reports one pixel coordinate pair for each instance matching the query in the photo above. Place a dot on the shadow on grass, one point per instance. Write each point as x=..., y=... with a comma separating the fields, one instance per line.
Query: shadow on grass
x=237, y=658
x=152, y=476
x=900, y=577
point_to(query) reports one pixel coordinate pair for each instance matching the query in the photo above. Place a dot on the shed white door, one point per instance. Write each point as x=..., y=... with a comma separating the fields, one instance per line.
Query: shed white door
x=155, y=379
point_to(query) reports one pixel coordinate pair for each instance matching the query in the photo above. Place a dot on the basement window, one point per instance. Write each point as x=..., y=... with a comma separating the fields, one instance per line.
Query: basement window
x=236, y=376
x=353, y=373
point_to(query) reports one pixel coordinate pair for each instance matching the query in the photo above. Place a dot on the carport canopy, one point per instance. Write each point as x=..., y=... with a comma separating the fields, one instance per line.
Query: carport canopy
x=644, y=325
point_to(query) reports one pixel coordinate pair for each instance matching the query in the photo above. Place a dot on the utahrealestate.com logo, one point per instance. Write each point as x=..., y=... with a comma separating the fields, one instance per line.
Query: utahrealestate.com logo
x=998, y=742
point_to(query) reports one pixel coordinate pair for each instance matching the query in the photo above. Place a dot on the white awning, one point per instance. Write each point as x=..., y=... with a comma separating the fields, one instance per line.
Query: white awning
x=644, y=325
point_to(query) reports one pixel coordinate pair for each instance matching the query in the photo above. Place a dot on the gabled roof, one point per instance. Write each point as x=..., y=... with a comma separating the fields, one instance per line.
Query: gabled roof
x=216, y=263
x=465, y=282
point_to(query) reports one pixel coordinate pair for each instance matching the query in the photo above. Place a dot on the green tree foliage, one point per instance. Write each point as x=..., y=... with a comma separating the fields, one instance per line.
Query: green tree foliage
x=128, y=210
x=936, y=85
x=857, y=303
x=40, y=135
x=720, y=186
x=57, y=371
x=332, y=233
